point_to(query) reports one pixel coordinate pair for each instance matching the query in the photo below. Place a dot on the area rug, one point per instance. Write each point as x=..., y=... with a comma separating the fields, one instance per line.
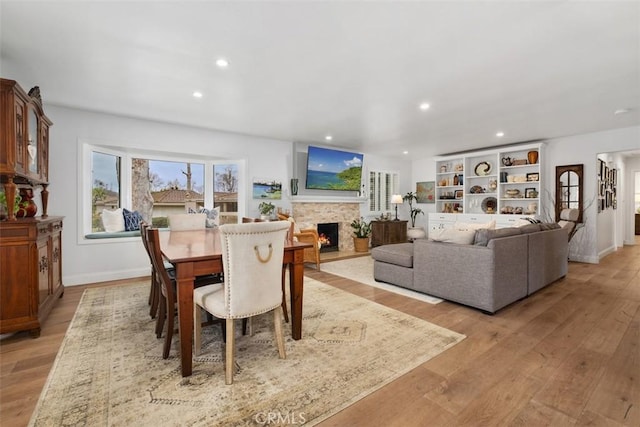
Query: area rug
x=361, y=270
x=109, y=370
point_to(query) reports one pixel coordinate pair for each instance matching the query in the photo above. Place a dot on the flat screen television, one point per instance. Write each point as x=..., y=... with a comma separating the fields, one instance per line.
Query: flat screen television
x=329, y=169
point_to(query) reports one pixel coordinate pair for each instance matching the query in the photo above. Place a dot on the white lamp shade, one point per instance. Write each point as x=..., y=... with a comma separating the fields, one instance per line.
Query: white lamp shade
x=396, y=199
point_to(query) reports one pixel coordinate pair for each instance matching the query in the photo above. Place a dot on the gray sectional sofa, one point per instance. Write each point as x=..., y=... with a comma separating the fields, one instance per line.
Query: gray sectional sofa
x=500, y=266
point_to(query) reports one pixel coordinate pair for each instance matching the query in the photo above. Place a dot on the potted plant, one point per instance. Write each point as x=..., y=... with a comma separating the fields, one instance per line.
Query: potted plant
x=361, y=233
x=266, y=209
x=414, y=232
x=3, y=204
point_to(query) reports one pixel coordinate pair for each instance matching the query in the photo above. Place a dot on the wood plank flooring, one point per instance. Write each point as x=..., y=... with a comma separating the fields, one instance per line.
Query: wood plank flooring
x=567, y=355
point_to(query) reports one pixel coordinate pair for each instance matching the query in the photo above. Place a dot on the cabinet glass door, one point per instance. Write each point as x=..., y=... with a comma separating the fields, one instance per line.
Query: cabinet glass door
x=32, y=143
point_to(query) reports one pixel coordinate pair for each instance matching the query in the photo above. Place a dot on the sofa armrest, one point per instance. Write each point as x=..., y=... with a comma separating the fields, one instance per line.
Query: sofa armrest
x=488, y=277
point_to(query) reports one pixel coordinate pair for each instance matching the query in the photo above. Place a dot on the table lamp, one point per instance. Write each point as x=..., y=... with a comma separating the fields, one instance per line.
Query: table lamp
x=396, y=199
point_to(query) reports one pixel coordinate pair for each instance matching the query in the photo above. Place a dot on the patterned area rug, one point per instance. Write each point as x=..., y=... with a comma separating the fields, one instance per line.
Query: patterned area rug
x=109, y=370
x=361, y=270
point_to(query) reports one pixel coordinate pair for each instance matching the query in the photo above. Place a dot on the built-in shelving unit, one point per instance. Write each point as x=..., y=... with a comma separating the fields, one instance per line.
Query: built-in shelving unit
x=505, y=181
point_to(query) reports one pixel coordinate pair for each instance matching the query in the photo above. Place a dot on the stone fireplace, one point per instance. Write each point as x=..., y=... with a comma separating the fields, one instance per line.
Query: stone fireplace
x=317, y=212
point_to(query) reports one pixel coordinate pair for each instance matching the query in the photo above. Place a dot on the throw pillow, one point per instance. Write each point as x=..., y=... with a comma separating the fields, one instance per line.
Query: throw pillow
x=483, y=236
x=491, y=225
x=213, y=216
x=131, y=220
x=451, y=235
x=112, y=221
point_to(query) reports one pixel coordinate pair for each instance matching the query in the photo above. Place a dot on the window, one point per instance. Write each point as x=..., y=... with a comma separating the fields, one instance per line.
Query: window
x=225, y=194
x=160, y=188
x=105, y=186
x=155, y=184
x=382, y=185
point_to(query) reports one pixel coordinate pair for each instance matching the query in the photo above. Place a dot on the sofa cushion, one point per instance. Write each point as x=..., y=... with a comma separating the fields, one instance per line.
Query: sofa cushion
x=530, y=228
x=452, y=235
x=549, y=226
x=398, y=253
x=483, y=236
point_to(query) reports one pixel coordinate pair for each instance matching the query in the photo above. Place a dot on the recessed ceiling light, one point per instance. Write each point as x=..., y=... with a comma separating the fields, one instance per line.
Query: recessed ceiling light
x=328, y=137
x=424, y=106
x=500, y=134
x=222, y=63
x=405, y=152
x=621, y=111
x=197, y=94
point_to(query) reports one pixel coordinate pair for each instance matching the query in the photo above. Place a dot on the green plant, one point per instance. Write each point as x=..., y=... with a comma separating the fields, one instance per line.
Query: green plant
x=16, y=202
x=361, y=228
x=411, y=197
x=266, y=208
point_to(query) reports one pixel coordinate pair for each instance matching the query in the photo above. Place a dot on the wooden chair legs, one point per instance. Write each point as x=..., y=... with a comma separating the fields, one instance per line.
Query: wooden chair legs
x=284, y=294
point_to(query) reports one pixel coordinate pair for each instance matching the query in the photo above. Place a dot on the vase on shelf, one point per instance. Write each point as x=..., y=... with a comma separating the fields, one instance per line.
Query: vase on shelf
x=532, y=157
x=27, y=207
x=294, y=186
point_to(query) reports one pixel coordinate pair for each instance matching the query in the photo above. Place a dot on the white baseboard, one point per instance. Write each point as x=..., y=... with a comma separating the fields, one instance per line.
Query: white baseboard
x=104, y=276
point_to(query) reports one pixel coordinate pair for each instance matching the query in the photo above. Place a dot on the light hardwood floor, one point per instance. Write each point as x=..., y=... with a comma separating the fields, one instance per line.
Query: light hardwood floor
x=568, y=355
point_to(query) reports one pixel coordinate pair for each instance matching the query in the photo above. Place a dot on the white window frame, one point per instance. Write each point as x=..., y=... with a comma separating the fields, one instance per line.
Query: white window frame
x=126, y=154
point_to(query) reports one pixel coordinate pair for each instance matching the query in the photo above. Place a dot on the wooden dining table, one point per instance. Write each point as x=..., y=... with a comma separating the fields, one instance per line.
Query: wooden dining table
x=198, y=253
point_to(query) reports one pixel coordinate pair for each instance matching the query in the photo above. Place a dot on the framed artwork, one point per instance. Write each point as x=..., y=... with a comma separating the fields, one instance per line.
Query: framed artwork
x=267, y=189
x=601, y=166
x=530, y=193
x=425, y=192
x=532, y=177
x=458, y=194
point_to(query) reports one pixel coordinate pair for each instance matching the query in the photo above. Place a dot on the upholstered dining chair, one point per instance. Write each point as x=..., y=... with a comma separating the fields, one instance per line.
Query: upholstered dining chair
x=306, y=235
x=252, y=257
x=167, y=288
x=184, y=221
x=285, y=312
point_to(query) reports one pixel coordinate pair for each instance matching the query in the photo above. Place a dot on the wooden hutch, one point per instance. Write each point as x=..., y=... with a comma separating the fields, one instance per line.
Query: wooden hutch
x=31, y=247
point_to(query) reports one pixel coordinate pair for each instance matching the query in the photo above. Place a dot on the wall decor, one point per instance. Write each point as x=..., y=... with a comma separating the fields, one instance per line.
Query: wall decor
x=425, y=192
x=267, y=189
x=607, y=186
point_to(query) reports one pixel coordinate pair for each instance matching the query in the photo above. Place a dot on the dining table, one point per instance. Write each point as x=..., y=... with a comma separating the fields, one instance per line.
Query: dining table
x=199, y=252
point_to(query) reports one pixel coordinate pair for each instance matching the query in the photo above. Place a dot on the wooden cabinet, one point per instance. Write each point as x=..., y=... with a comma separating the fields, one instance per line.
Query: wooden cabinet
x=387, y=232
x=24, y=147
x=30, y=248
x=31, y=280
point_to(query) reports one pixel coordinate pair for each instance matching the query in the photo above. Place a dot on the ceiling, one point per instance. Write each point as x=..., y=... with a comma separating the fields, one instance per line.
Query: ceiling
x=299, y=71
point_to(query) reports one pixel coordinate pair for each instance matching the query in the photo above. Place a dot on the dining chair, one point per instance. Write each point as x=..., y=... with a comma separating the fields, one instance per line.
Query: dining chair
x=167, y=288
x=154, y=289
x=252, y=257
x=285, y=311
x=185, y=221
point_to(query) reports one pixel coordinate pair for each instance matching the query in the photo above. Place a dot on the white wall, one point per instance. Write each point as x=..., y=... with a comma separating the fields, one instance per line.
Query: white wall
x=94, y=261
x=577, y=149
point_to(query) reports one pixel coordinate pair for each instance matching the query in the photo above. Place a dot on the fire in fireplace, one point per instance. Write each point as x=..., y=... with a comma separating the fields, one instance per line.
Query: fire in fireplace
x=328, y=235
